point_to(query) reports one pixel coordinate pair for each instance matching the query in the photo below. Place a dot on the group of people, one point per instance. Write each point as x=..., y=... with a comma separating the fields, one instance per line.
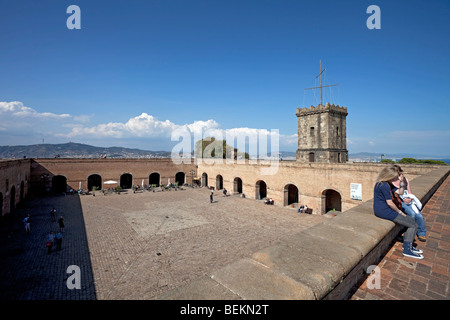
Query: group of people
x=393, y=200
x=55, y=239
x=269, y=201
x=51, y=239
x=302, y=209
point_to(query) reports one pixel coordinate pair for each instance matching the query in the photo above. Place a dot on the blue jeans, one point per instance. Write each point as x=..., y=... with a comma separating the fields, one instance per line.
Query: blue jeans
x=421, y=230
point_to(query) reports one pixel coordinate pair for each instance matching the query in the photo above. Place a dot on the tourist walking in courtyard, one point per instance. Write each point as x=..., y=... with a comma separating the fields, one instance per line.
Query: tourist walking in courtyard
x=411, y=205
x=58, y=240
x=26, y=224
x=53, y=214
x=50, y=241
x=384, y=207
x=61, y=224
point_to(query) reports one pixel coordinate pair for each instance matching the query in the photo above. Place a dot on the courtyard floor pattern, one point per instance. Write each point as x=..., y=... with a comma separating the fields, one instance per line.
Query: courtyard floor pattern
x=135, y=245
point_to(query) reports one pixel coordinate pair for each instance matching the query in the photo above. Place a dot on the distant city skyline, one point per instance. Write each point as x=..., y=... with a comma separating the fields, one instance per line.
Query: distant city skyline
x=137, y=71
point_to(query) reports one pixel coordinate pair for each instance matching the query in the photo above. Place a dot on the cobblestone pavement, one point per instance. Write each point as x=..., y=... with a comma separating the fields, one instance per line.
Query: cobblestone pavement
x=409, y=279
x=135, y=245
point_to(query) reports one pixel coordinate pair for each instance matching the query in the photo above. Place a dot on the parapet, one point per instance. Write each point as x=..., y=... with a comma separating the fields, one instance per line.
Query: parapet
x=322, y=109
x=322, y=262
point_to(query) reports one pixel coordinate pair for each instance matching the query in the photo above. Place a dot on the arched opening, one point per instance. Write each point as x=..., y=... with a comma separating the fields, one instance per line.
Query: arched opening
x=311, y=157
x=94, y=180
x=290, y=194
x=22, y=191
x=126, y=181
x=12, y=199
x=237, y=185
x=154, y=178
x=59, y=184
x=180, y=177
x=204, y=179
x=331, y=199
x=219, y=182
x=260, y=190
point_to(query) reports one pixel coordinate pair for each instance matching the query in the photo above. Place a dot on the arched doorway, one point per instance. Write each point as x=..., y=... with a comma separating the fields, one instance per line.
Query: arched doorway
x=311, y=157
x=331, y=199
x=180, y=177
x=94, y=180
x=204, y=179
x=219, y=182
x=237, y=185
x=260, y=190
x=126, y=181
x=59, y=184
x=12, y=199
x=154, y=178
x=290, y=194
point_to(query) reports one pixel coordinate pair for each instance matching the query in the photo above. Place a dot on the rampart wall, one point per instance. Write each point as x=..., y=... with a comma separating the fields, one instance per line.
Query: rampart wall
x=14, y=183
x=312, y=180
x=77, y=171
x=282, y=180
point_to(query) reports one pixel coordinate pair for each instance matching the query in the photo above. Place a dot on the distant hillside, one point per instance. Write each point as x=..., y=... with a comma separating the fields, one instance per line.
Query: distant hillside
x=75, y=150
x=79, y=150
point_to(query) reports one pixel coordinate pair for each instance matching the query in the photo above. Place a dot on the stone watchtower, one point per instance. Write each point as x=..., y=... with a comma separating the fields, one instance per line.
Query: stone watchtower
x=322, y=131
x=322, y=134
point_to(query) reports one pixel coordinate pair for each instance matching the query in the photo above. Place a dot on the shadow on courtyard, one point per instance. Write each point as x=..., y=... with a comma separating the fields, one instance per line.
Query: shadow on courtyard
x=28, y=271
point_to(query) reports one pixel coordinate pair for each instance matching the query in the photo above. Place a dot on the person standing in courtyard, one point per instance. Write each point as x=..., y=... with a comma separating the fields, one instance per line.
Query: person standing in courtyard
x=53, y=214
x=26, y=223
x=61, y=224
x=50, y=241
x=58, y=238
x=384, y=207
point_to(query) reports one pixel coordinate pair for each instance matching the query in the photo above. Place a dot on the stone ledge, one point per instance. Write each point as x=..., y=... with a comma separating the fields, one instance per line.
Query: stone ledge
x=323, y=262
x=254, y=281
x=201, y=289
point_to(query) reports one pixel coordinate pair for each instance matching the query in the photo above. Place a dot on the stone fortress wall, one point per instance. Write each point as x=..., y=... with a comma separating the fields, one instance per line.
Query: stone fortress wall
x=321, y=186
x=14, y=183
x=323, y=262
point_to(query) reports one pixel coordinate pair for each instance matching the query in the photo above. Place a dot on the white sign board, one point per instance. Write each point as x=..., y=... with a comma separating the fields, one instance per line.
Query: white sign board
x=356, y=191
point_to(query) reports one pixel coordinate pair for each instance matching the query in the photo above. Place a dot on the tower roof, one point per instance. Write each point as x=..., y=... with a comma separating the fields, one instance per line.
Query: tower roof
x=322, y=109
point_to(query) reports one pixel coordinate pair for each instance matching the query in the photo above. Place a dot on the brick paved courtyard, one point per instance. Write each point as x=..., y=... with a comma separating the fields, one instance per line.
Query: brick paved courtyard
x=135, y=246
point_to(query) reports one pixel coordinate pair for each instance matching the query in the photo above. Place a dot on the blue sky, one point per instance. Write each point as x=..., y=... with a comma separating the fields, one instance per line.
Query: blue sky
x=137, y=70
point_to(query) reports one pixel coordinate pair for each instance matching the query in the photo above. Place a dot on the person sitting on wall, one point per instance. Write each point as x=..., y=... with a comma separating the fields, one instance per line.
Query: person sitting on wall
x=387, y=206
x=411, y=205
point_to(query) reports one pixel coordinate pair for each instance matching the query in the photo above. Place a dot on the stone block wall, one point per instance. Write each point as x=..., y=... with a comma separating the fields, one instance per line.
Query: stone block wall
x=14, y=183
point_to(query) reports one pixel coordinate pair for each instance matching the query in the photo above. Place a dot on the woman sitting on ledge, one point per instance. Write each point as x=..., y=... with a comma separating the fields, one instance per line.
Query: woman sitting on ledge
x=385, y=208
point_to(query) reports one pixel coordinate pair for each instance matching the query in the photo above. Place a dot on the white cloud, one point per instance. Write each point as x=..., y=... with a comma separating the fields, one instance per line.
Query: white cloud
x=20, y=120
x=143, y=125
x=17, y=110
